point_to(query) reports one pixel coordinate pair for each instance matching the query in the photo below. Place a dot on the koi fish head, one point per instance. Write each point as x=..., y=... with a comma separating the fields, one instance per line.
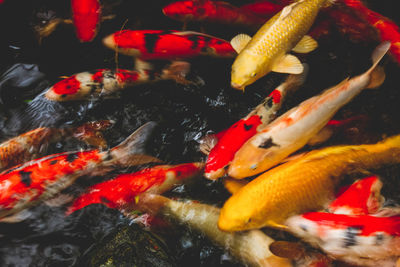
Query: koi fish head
x=246, y=69
x=185, y=10
x=126, y=42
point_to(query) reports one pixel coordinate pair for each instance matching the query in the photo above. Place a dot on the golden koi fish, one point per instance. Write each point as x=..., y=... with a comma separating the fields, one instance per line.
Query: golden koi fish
x=304, y=184
x=267, y=50
x=296, y=127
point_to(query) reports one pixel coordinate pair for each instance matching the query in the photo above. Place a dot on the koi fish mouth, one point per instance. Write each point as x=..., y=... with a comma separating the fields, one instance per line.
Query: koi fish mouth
x=237, y=86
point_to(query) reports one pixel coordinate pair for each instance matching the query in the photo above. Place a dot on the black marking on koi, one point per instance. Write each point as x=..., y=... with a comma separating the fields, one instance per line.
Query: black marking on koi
x=53, y=162
x=351, y=235
x=268, y=103
x=195, y=41
x=105, y=200
x=379, y=238
x=26, y=178
x=150, y=41
x=268, y=143
x=72, y=157
x=247, y=127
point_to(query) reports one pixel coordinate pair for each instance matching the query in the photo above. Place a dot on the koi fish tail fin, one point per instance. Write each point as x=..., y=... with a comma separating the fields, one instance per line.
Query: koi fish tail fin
x=132, y=150
x=40, y=112
x=86, y=199
x=177, y=71
x=377, y=74
x=90, y=132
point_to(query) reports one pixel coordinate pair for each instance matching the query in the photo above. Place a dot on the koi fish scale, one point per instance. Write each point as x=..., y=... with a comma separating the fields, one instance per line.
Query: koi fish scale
x=123, y=189
x=167, y=45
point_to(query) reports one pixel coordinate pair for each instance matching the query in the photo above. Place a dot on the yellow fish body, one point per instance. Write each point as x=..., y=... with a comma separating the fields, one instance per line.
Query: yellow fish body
x=267, y=50
x=303, y=184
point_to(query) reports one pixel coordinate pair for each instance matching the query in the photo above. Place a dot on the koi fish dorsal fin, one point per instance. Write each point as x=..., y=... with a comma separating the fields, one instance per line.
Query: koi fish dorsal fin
x=377, y=74
x=288, y=64
x=240, y=41
x=305, y=45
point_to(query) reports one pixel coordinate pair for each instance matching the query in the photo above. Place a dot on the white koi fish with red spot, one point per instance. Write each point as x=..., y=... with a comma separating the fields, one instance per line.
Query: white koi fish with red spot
x=104, y=82
x=365, y=240
x=293, y=130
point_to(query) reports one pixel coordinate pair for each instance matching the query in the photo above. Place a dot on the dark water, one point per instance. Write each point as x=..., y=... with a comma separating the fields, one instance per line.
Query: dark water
x=184, y=113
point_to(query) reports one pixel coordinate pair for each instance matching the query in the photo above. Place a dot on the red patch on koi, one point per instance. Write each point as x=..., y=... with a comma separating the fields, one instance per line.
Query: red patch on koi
x=366, y=224
x=224, y=151
x=98, y=76
x=44, y=172
x=86, y=16
x=276, y=96
x=126, y=76
x=67, y=86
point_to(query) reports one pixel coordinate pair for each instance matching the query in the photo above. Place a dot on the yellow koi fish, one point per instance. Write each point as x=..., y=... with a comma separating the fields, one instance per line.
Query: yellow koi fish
x=268, y=49
x=303, y=184
x=296, y=127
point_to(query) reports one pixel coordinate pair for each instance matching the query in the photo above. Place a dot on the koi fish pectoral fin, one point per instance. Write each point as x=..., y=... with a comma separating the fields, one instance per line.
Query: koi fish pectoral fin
x=177, y=71
x=18, y=217
x=305, y=45
x=240, y=41
x=288, y=64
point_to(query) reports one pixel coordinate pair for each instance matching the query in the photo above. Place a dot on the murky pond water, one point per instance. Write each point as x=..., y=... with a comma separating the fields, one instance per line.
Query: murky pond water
x=184, y=113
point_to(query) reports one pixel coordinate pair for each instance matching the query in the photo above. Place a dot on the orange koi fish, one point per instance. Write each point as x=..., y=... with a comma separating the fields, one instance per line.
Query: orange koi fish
x=167, y=45
x=30, y=145
x=86, y=18
x=124, y=188
x=213, y=12
x=26, y=185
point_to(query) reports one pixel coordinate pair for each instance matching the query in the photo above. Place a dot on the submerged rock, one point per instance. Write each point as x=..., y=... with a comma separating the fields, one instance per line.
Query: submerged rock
x=129, y=245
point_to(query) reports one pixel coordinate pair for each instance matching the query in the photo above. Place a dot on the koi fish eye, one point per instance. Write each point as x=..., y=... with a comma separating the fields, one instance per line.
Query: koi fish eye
x=253, y=74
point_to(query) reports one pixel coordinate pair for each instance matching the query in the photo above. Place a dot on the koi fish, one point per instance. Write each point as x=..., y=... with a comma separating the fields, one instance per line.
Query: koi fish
x=223, y=152
x=30, y=145
x=361, y=198
x=301, y=185
x=267, y=50
x=124, y=188
x=27, y=184
x=104, y=82
x=251, y=247
x=167, y=45
x=212, y=12
x=86, y=18
x=264, y=9
x=387, y=29
x=359, y=239
x=292, y=130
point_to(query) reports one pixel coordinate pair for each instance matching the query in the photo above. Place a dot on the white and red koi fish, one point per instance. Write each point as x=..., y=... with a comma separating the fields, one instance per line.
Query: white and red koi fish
x=250, y=247
x=167, y=45
x=233, y=138
x=86, y=16
x=124, y=188
x=214, y=12
x=104, y=82
x=361, y=198
x=358, y=239
x=30, y=145
x=27, y=184
x=292, y=130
